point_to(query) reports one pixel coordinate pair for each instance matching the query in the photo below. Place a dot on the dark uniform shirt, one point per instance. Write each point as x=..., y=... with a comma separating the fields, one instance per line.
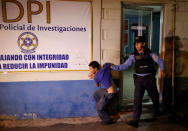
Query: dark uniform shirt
x=131, y=60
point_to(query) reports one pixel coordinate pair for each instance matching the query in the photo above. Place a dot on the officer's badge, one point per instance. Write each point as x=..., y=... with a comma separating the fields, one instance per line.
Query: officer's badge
x=155, y=57
x=27, y=42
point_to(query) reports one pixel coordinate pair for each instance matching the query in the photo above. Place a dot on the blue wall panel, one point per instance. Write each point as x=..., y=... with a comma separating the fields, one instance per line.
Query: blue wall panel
x=48, y=99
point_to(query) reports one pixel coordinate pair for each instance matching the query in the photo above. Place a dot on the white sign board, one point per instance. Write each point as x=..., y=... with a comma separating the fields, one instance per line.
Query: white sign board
x=44, y=35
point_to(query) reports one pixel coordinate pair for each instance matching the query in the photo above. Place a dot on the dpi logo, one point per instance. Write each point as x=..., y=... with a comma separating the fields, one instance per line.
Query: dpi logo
x=27, y=42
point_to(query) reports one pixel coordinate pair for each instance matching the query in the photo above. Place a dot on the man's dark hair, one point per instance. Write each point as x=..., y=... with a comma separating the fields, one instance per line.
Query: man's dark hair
x=94, y=64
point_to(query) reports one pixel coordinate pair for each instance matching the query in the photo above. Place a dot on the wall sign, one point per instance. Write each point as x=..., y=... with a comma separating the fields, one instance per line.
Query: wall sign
x=44, y=35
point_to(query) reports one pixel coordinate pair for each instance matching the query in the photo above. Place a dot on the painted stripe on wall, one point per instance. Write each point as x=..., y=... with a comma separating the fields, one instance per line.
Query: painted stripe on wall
x=48, y=99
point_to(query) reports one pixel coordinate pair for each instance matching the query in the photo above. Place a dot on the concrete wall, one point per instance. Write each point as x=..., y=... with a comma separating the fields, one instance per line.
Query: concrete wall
x=181, y=32
x=110, y=37
x=69, y=93
x=51, y=94
x=47, y=99
x=181, y=56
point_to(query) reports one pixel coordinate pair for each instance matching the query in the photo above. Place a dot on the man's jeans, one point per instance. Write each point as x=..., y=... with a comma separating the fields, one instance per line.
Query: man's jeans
x=103, y=99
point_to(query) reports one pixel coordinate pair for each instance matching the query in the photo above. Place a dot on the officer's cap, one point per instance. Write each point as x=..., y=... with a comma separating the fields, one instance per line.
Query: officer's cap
x=140, y=39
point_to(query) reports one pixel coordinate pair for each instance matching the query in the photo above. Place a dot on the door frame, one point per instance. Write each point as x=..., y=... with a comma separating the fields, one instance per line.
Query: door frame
x=136, y=6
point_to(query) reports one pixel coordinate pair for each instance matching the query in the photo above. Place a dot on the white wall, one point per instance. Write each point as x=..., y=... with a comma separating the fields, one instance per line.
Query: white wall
x=182, y=23
x=106, y=37
x=182, y=32
x=111, y=25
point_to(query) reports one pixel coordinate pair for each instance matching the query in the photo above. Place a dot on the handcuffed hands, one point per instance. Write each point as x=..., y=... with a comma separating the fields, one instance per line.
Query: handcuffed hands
x=91, y=75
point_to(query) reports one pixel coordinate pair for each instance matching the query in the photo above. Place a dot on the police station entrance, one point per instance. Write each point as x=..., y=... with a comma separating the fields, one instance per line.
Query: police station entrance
x=138, y=20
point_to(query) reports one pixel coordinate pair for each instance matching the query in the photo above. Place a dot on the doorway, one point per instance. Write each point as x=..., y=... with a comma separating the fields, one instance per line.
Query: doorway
x=138, y=20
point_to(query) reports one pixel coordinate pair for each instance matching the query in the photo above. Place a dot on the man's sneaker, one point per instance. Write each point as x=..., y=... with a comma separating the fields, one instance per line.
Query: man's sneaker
x=133, y=123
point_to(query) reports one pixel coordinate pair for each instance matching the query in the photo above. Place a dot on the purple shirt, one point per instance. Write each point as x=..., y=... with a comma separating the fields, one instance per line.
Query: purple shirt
x=103, y=76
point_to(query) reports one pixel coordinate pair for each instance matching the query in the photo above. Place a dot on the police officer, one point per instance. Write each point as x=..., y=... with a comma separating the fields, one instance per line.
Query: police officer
x=144, y=77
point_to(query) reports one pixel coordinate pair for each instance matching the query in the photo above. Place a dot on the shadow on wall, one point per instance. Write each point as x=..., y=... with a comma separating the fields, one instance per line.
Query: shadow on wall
x=180, y=101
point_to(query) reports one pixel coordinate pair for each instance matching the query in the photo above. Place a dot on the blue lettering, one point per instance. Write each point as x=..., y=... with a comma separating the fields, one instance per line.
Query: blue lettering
x=52, y=65
x=15, y=66
x=29, y=57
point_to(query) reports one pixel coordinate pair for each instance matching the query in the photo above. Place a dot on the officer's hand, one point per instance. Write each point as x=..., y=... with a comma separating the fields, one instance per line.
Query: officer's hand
x=111, y=65
x=162, y=74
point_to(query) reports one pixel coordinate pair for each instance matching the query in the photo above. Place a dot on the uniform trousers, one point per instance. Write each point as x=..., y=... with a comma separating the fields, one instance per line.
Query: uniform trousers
x=142, y=84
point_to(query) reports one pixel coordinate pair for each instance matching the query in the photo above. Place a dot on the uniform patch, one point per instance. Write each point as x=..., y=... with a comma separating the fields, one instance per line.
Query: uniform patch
x=155, y=57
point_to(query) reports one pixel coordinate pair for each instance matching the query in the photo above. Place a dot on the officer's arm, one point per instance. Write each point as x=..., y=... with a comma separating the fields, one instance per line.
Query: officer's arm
x=160, y=62
x=125, y=65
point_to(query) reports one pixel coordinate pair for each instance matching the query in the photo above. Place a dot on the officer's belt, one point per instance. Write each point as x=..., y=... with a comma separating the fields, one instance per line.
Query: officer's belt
x=150, y=76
